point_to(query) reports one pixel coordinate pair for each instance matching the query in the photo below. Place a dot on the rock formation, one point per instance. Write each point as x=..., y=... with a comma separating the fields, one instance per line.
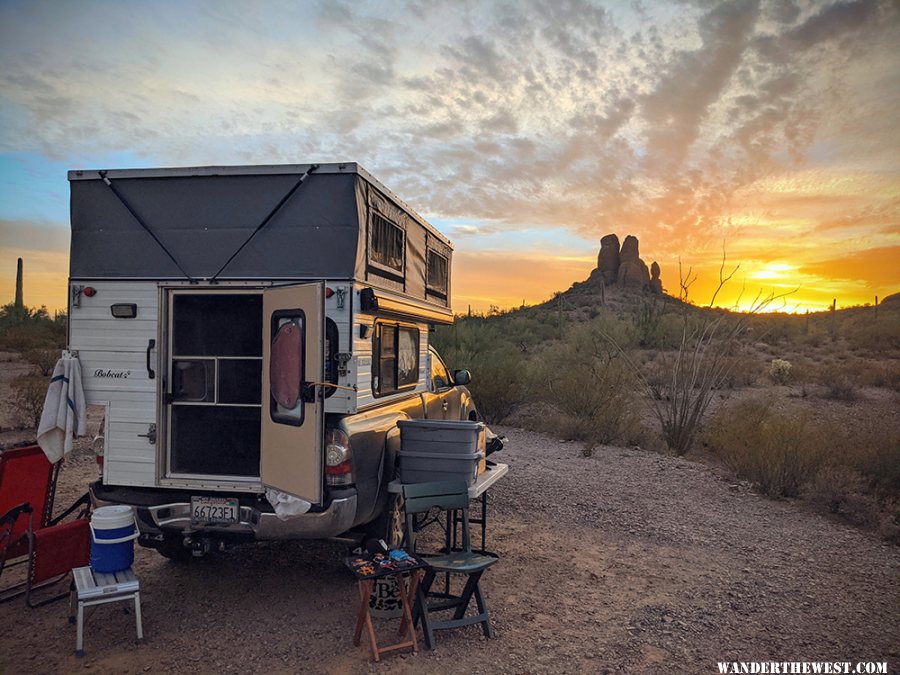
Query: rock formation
x=633, y=273
x=624, y=266
x=655, y=281
x=608, y=259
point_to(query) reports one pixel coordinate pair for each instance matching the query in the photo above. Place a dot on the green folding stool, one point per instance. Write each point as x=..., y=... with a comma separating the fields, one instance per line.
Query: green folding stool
x=448, y=496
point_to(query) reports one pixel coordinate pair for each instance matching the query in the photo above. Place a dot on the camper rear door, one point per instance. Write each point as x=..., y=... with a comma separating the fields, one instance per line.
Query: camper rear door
x=292, y=403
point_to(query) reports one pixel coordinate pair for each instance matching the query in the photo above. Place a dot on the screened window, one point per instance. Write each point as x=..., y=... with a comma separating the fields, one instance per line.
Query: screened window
x=438, y=272
x=397, y=358
x=387, y=243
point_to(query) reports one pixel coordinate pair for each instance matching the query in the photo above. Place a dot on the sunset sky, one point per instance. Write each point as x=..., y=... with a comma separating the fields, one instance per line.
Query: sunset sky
x=524, y=130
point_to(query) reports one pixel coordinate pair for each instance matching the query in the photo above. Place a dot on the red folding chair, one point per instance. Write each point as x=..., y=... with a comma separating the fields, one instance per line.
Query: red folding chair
x=27, y=489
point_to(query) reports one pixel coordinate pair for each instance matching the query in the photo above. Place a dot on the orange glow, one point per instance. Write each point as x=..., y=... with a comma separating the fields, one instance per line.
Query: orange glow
x=492, y=278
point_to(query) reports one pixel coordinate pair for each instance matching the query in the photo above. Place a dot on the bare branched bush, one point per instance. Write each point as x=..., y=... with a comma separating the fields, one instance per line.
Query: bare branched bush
x=29, y=392
x=44, y=359
x=703, y=363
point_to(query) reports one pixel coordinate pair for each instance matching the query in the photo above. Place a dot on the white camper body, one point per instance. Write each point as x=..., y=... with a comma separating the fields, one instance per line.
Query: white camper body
x=115, y=355
x=177, y=340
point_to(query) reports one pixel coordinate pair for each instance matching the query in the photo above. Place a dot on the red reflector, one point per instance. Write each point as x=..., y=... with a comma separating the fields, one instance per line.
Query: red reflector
x=90, y=291
x=100, y=461
x=338, y=470
x=328, y=292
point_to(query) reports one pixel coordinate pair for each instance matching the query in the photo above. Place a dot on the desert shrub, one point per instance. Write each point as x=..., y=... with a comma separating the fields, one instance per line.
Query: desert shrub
x=42, y=359
x=813, y=339
x=654, y=327
x=587, y=385
x=780, y=371
x=741, y=371
x=778, y=451
x=27, y=328
x=29, y=392
x=875, y=336
x=884, y=374
x=594, y=404
x=498, y=376
x=833, y=488
x=776, y=329
x=498, y=381
x=841, y=381
x=875, y=455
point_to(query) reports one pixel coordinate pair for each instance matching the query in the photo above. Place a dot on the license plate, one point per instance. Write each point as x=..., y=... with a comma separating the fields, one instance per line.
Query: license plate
x=214, y=510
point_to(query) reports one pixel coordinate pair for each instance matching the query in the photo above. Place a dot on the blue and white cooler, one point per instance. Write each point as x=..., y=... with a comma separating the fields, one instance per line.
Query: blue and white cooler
x=113, y=531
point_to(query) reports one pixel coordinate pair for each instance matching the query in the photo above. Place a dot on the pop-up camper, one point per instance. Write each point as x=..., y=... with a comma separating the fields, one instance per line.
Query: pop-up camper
x=255, y=334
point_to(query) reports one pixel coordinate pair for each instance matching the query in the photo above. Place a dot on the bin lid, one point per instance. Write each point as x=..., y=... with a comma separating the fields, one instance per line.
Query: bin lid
x=436, y=425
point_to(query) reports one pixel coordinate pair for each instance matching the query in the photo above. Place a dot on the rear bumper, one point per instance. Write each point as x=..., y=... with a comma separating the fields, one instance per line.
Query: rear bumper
x=160, y=512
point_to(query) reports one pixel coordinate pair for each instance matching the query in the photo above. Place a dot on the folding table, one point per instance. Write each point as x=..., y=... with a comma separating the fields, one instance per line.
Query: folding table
x=367, y=571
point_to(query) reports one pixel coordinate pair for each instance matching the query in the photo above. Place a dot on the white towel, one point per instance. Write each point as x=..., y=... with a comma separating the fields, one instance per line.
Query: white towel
x=64, y=410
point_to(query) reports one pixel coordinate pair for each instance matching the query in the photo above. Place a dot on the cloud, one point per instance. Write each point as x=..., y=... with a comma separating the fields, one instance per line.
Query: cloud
x=33, y=235
x=668, y=121
x=832, y=22
x=877, y=267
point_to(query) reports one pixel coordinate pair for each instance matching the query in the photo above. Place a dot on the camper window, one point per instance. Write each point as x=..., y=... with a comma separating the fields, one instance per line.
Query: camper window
x=387, y=244
x=397, y=358
x=438, y=268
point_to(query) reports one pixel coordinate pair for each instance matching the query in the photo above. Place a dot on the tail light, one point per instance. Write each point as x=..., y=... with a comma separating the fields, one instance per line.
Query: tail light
x=338, y=458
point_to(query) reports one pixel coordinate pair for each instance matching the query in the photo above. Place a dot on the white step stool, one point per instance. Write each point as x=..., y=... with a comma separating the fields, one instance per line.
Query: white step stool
x=97, y=588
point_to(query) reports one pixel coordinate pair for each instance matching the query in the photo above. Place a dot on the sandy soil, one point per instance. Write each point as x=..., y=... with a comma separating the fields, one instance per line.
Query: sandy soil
x=624, y=561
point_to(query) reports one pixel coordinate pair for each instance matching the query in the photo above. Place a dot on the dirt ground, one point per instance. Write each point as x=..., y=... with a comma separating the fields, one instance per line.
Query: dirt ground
x=623, y=561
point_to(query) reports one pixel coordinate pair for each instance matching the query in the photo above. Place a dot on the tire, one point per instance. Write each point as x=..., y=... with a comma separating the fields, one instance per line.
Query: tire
x=174, y=549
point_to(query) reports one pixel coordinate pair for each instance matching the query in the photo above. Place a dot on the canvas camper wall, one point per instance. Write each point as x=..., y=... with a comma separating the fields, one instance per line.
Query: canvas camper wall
x=340, y=223
x=165, y=240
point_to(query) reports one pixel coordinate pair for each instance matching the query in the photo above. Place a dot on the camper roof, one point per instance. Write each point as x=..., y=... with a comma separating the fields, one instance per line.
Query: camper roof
x=253, y=170
x=287, y=222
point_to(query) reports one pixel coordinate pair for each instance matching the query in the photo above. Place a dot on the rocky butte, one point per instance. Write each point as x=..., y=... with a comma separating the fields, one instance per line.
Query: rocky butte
x=623, y=266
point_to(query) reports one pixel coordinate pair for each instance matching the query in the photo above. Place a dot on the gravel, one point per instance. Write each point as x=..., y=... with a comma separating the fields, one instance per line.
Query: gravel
x=622, y=561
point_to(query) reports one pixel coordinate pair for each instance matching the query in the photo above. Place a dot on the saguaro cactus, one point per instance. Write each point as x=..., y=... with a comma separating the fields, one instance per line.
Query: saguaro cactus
x=20, y=303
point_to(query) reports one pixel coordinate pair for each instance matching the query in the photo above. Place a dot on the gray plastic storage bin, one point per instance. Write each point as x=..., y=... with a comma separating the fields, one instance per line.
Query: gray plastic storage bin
x=425, y=467
x=440, y=436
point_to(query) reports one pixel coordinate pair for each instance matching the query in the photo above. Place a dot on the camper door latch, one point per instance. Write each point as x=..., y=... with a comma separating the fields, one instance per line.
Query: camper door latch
x=150, y=435
x=341, y=296
x=343, y=358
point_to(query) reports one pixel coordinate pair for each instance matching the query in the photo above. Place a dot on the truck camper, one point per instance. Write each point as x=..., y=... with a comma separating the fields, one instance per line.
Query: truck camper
x=255, y=333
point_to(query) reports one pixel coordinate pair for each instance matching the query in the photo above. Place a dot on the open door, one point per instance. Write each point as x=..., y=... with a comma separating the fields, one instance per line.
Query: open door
x=292, y=404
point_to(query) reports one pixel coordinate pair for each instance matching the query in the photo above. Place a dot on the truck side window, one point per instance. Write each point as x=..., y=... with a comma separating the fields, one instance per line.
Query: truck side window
x=396, y=357
x=440, y=378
